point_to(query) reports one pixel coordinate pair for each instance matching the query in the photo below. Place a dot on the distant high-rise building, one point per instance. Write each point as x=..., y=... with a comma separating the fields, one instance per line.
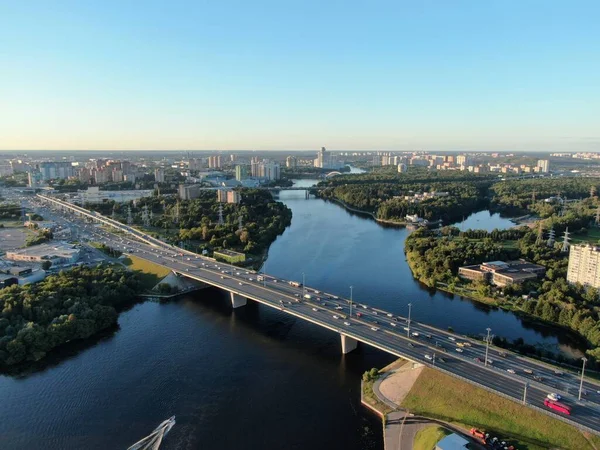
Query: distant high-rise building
x=222, y=196
x=233, y=197
x=101, y=176
x=56, y=170
x=269, y=170
x=584, y=265
x=117, y=175
x=34, y=179
x=214, y=162
x=322, y=159
x=543, y=166
x=194, y=164
x=241, y=172
x=159, y=175
x=232, y=158
x=188, y=192
x=401, y=168
x=84, y=175
x=463, y=160
x=291, y=162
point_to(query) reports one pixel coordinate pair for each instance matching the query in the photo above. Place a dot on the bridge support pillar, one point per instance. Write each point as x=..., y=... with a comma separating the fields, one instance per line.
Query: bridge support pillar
x=348, y=344
x=237, y=300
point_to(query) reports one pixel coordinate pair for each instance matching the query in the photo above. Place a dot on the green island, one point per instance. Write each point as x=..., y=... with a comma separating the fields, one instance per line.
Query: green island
x=194, y=224
x=73, y=304
x=446, y=398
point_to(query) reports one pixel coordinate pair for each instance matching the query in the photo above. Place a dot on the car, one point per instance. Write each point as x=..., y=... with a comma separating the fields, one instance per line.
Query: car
x=339, y=308
x=347, y=324
x=415, y=334
x=459, y=350
x=558, y=373
x=428, y=336
x=478, y=360
x=428, y=356
x=410, y=344
x=315, y=309
x=374, y=328
x=375, y=312
x=554, y=396
x=296, y=295
x=393, y=324
x=250, y=279
x=363, y=306
x=222, y=277
x=451, y=338
x=390, y=315
x=336, y=317
x=241, y=284
x=511, y=371
x=466, y=344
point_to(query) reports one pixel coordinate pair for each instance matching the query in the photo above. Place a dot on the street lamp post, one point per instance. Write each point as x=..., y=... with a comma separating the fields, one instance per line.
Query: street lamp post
x=525, y=393
x=351, y=287
x=408, y=327
x=584, y=359
x=265, y=274
x=303, y=284
x=487, y=345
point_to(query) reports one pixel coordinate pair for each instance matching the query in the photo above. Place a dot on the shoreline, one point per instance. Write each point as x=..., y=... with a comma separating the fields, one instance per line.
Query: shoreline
x=366, y=213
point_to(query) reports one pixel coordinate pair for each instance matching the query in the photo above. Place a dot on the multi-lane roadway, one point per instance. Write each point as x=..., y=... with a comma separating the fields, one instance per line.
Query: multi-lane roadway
x=505, y=372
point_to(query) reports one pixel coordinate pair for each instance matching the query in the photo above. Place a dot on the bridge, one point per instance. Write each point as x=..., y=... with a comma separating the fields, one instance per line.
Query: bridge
x=478, y=363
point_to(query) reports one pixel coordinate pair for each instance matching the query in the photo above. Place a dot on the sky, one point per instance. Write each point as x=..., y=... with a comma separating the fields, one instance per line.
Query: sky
x=513, y=75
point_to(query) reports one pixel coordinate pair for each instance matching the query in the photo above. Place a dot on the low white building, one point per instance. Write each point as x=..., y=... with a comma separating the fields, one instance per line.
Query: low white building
x=57, y=253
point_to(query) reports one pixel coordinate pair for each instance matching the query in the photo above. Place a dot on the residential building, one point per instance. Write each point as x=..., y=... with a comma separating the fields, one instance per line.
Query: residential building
x=6, y=170
x=117, y=175
x=241, y=172
x=401, y=168
x=84, y=175
x=101, y=176
x=189, y=192
x=57, y=169
x=463, y=160
x=501, y=273
x=34, y=179
x=269, y=170
x=584, y=265
x=159, y=175
x=233, y=197
x=291, y=162
x=543, y=166
x=222, y=196
x=322, y=158
x=214, y=162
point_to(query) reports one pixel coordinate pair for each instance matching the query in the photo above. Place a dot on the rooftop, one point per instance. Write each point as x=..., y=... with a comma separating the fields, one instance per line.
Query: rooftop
x=41, y=250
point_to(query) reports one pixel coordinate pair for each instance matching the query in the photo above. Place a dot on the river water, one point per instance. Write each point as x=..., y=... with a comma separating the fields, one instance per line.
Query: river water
x=253, y=377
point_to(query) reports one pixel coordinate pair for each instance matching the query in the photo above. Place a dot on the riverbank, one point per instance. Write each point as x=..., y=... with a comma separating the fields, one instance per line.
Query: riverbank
x=395, y=223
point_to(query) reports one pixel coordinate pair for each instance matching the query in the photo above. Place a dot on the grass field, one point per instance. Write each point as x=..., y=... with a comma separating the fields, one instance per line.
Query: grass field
x=426, y=438
x=150, y=273
x=440, y=396
x=592, y=236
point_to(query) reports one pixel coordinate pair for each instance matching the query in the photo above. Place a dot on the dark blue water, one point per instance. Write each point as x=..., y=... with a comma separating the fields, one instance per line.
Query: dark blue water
x=250, y=378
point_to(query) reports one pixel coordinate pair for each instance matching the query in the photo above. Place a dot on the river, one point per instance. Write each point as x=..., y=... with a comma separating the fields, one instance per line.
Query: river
x=249, y=378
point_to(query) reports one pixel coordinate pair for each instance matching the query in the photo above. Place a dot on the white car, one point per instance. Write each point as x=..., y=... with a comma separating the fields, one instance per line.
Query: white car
x=241, y=284
x=393, y=324
x=427, y=356
x=459, y=350
x=510, y=370
x=390, y=315
x=554, y=396
x=336, y=317
x=451, y=338
x=374, y=328
x=315, y=309
x=347, y=324
x=415, y=334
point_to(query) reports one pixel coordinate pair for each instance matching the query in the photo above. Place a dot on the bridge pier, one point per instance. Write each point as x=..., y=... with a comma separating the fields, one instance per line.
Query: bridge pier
x=348, y=344
x=237, y=300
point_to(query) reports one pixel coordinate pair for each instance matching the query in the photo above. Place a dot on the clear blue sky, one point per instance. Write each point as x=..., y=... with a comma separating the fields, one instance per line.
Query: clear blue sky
x=300, y=74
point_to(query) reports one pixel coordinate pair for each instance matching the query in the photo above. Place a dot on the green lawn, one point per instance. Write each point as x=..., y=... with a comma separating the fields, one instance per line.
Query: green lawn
x=426, y=438
x=150, y=273
x=440, y=396
x=592, y=236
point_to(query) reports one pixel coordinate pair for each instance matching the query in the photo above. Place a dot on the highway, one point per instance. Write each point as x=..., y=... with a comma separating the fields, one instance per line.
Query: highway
x=381, y=329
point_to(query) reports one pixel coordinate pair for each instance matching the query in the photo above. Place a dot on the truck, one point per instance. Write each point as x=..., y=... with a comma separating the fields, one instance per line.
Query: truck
x=478, y=434
x=557, y=406
x=295, y=284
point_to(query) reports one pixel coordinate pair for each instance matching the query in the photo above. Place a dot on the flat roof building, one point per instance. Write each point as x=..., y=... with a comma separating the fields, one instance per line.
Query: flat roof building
x=230, y=256
x=452, y=442
x=56, y=253
x=501, y=273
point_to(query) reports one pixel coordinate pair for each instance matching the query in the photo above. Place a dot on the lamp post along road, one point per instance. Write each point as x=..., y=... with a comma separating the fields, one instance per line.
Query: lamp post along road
x=303, y=284
x=582, y=372
x=408, y=326
x=351, y=287
x=487, y=345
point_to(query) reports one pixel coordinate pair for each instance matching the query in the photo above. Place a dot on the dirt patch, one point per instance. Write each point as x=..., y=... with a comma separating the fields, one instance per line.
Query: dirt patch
x=397, y=385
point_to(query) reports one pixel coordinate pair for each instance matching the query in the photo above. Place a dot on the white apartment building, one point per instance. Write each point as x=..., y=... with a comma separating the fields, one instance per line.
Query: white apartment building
x=584, y=265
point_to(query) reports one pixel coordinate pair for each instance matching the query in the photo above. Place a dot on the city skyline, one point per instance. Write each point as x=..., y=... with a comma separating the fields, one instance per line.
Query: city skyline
x=469, y=77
